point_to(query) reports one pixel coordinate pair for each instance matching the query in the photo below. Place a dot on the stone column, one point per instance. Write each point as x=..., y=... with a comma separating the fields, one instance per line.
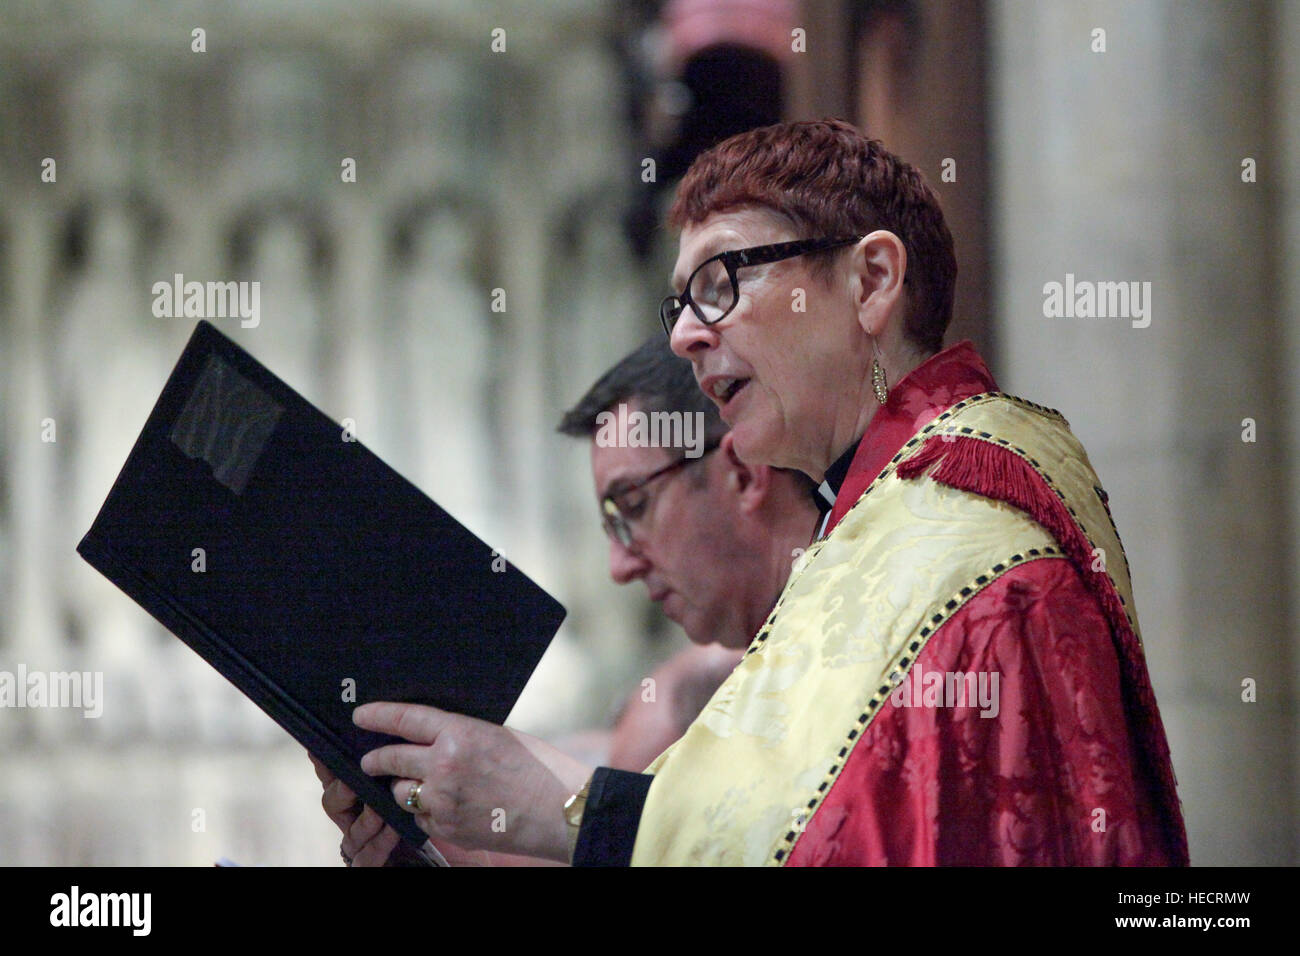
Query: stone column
x=1126, y=166
x=1284, y=190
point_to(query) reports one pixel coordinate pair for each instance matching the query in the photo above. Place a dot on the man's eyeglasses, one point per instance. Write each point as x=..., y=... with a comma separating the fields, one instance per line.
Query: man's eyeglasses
x=618, y=511
x=713, y=289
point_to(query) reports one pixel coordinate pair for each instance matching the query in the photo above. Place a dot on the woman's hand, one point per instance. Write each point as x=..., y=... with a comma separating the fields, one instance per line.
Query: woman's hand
x=480, y=786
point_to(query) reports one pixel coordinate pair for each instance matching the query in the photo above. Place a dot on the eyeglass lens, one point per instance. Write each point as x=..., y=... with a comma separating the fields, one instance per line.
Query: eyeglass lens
x=711, y=291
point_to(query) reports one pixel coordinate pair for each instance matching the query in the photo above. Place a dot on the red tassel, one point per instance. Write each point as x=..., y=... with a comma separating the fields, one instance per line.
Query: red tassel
x=974, y=465
x=994, y=471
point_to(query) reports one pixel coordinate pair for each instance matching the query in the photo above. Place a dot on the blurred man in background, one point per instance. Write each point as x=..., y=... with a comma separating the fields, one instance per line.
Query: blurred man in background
x=711, y=538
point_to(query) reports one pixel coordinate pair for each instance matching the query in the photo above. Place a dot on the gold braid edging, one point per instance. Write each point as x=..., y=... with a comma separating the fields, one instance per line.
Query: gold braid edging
x=899, y=671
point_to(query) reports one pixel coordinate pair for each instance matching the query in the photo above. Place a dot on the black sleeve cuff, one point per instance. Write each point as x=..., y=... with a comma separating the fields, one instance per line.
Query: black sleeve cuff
x=610, y=820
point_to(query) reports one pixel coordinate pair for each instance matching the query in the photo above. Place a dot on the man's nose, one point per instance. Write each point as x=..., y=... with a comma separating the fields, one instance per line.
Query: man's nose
x=625, y=565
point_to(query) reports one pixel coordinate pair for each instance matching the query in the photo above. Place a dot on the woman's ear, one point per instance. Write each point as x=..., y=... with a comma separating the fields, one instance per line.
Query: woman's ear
x=879, y=267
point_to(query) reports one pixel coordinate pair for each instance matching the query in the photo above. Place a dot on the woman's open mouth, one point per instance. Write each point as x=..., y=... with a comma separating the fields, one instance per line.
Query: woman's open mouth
x=725, y=389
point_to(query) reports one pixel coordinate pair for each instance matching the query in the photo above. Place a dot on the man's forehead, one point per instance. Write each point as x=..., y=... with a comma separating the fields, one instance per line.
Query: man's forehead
x=614, y=468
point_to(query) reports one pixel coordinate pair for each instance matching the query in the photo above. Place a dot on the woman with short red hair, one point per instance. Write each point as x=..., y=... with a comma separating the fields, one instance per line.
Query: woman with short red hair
x=954, y=673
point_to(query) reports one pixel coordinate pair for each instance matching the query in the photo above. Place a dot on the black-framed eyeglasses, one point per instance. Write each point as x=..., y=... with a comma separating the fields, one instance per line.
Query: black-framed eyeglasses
x=713, y=289
x=618, y=513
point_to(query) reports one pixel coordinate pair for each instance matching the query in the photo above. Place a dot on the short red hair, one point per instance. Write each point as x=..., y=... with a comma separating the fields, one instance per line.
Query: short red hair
x=828, y=179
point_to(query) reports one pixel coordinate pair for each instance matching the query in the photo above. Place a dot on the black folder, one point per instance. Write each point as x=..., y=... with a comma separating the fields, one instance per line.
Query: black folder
x=309, y=573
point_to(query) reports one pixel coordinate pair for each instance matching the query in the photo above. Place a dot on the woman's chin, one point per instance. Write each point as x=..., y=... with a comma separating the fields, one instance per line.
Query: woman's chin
x=754, y=445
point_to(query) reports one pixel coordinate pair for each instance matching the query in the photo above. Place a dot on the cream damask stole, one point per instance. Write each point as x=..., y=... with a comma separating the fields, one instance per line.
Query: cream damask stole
x=743, y=781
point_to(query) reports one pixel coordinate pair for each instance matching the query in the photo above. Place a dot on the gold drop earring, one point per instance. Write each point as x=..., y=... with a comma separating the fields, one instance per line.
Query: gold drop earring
x=878, y=383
